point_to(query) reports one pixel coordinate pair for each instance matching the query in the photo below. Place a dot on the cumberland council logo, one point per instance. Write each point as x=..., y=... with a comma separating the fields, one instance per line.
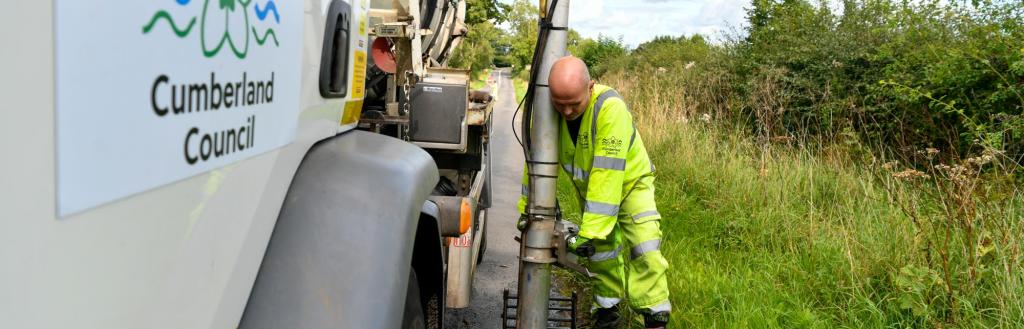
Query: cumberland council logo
x=224, y=24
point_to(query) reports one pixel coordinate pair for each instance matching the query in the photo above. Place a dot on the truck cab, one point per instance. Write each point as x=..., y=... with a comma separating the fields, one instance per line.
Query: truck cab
x=207, y=164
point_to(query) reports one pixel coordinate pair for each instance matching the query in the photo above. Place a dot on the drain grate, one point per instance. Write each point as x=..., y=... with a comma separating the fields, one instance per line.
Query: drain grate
x=561, y=311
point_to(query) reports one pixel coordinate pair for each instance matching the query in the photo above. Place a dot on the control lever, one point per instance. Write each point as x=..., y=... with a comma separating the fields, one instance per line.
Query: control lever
x=566, y=259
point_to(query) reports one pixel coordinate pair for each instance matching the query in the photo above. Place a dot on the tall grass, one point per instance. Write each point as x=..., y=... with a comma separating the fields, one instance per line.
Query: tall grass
x=857, y=168
x=766, y=230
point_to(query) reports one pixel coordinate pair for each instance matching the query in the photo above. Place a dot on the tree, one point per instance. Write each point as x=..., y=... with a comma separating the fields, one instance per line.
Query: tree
x=522, y=19
x=666, y=51
x=479, y=11
x=759, y=14
x=598, y=53
x=477, y=50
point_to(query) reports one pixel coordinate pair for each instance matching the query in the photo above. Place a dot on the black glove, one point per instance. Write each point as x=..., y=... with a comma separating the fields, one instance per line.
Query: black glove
x=579, y=245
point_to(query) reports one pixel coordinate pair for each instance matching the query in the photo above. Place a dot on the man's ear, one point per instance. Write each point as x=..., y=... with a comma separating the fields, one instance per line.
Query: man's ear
x=592, y=82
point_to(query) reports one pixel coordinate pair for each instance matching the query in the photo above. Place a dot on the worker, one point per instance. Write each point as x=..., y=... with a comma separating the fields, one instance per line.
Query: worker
x=613, y=177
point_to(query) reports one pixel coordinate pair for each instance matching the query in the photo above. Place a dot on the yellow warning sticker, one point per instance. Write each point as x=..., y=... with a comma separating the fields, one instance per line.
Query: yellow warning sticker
x=359, y=75
x=362, y=24
x=352, y=111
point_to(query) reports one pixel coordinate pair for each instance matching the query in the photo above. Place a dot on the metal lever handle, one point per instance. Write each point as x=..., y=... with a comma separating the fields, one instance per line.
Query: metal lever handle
x=565, y=258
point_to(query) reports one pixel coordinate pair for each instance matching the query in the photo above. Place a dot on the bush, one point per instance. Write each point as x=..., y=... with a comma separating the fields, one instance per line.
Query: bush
x=934, y=75
x=902, y=75
x=600, y=54
x=766, y=231
x=803, y=222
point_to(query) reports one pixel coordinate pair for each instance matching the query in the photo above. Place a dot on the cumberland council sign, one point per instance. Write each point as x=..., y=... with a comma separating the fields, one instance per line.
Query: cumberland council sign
x=151, y=92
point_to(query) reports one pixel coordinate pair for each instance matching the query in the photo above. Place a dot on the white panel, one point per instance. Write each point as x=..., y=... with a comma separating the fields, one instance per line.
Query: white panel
x=144, y=87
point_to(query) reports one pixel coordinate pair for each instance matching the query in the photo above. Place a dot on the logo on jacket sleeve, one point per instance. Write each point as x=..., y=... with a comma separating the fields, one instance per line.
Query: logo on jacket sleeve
x=611, y=145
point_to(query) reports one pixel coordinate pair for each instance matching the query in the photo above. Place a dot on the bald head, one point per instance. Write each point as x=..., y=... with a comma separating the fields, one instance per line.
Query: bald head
x=570, y=86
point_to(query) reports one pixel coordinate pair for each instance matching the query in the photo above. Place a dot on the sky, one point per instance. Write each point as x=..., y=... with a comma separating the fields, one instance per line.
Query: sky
x=637, y=21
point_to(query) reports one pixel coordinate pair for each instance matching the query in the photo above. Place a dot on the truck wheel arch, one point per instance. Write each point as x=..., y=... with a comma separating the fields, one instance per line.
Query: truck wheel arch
x=343, y=245
x=428, y=261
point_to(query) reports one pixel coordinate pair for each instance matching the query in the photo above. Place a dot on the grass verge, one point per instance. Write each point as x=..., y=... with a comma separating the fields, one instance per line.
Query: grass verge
x=519, y=85
x=766, y=233
x=478, y=80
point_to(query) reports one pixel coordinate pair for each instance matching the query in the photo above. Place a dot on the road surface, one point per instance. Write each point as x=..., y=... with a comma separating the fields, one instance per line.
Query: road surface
x=499, y=268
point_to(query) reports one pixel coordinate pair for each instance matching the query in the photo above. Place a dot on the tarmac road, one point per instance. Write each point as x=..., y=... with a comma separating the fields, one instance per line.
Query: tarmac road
x=499, y=269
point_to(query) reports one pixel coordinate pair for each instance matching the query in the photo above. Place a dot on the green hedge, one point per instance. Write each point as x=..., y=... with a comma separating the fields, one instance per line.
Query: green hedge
x=903, y=76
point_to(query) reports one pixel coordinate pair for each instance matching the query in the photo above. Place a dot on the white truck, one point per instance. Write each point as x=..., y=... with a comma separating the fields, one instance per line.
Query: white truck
x=236, y=163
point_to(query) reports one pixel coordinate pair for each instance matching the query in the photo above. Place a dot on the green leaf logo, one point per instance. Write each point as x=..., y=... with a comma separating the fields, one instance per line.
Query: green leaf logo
x=227, y=4
x=227, y=25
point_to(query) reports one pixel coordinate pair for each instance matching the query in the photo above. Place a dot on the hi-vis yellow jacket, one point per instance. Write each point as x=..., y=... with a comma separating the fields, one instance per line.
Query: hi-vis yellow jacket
x=609, y=166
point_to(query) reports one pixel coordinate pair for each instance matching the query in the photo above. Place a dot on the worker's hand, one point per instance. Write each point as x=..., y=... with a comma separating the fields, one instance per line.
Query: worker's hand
x=580, y=246
x=521, y=223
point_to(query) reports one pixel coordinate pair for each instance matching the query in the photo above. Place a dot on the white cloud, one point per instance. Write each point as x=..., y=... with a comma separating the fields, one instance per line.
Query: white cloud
x=639, y=21
x=716, y=12
x=586, y=10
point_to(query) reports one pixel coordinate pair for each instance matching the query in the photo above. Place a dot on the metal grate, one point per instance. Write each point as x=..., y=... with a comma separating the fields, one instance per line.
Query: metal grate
x=561, y=311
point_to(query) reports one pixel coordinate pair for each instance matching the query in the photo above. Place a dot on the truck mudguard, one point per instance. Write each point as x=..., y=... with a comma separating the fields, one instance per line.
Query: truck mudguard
x=341, y=250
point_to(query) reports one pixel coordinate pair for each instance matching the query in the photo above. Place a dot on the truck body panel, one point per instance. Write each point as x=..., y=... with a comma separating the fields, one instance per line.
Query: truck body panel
x=180, y=255
x=101, y=229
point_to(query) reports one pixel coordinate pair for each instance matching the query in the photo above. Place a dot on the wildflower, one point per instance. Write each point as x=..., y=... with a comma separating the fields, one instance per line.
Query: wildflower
x=890, y=165
x=980, y=160
x=705, y=117
x=929, y=153
x=910, y=174
x=957, y=174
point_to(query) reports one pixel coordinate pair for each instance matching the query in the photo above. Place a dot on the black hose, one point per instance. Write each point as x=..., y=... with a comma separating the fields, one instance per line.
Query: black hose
x=538, y=56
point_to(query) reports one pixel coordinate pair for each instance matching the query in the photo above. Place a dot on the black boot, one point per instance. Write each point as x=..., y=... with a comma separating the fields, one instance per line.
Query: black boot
x=607, y=318
x=656, y=320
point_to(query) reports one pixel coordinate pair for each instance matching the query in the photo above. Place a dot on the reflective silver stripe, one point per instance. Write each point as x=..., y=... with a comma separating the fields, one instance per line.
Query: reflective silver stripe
x=602, y=208
x=576, y=172
x=597, y=110
x=526, y=190
x=646, y=214
x=665, y=306
x=645, y=247
x=606, y=255
x=609, y=163
x=606, y=302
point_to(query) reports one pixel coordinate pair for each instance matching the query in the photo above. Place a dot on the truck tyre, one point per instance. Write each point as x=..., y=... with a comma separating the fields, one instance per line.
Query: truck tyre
x=413, y=317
